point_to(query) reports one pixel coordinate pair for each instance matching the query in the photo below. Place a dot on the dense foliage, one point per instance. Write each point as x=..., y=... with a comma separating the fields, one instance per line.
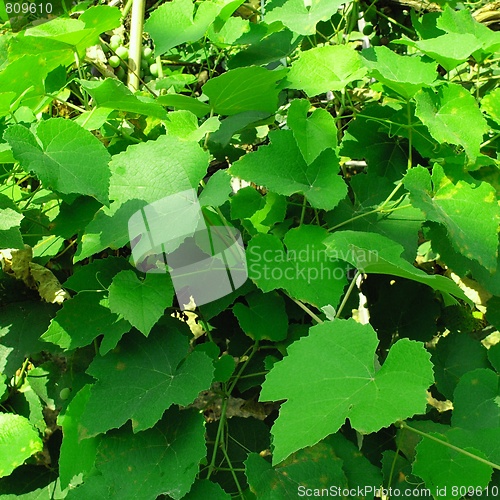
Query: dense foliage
x=362, y=352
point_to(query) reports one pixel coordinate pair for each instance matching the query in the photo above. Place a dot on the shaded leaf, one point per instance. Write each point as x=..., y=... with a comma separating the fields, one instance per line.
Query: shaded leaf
x=144, y=378
x=470, y=213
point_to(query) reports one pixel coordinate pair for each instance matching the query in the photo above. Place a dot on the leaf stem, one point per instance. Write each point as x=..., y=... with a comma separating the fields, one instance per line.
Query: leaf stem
x=404, y=425
x=348, y=294
x=307, y=310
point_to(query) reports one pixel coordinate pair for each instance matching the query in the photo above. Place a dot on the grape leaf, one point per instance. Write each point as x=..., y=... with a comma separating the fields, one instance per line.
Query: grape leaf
x=140, y=302
x=313, y=134
x=281, y=168
x=82, y=319
x=264, y=317
x=203, y=489
x=111, y=93
x=18, y=441
x=10, y=219
x=21, y=325
x=470, y=213
x=461, y=21
x=374, y=253
x=301, y=17
x=490, y=104
x=76, y=456
x=450, y=49
x=335, y=378
x=452, y=115
x=96, y=275
x=303, y=269
x=64, y=156
x=405, y=75
x=455, y=355
x=313, y=468
x=142, y=174
x=144, y=378
x=367, y=137
x=175, y=22
x=455, y=469
x=335, y=66
x=475, y=400
x=162, y=460
x=179, y=101
x=244, y=89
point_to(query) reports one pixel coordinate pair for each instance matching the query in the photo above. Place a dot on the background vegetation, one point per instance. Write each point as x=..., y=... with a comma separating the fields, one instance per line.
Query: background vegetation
x=361, y=129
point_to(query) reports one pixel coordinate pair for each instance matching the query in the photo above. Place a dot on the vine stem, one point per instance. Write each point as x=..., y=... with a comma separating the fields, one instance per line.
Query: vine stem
x=135, y=46
x=307, y=310
x=404, y=425
x=348, y=294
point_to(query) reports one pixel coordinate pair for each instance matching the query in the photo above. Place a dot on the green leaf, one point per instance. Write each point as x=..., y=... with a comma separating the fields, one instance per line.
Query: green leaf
x=303, y=269
x=111, y=93
x=308, y=470
x=108, y=229
x=335, y=66
x=144, y=378
x=175, y=22
x=82, y=319
x=313, y=133
x=462, y=22
x=10, y=219
x=203, y=489
x=272, y=48
x=97, y=275
x=469, y=212
x=451, y=49
x=178, y=101
x=451, y=114
x=335, y=378
x=281, y=168
x=162, y=460
x=374, y=253
x=301, y=17
x=475, y=400
x=455, y=355
x=142, y=174
x=246, y=202
x=184, y=125
x=456, y=471
x=244, y=89
x=101, y=18
x=460, y=264
x=360, y=472
x=403, y=74
x=490, y=104
x=77, y=456
x=153, y=170
x=264, y=318
x=18, y=441
x=64, y=156
x=217, y=190
x=368, y=138
x=21, y=325
x=140, y=302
